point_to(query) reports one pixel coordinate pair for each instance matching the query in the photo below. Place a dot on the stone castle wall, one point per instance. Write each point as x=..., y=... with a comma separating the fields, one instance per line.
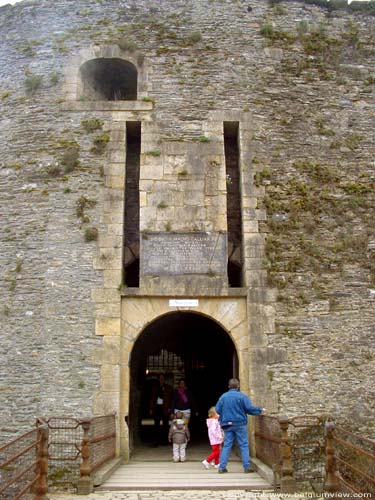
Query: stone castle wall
x=302, y=79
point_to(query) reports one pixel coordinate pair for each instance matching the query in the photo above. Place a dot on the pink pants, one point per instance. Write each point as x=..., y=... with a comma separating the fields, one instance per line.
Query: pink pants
x=215, y=454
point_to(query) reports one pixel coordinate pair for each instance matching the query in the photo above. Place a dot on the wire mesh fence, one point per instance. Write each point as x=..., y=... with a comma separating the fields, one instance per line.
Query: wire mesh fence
x=67, y=438
x=102, y=440
x=355, y=461
x=307, y=439
x=64, y=451
x=20, y=467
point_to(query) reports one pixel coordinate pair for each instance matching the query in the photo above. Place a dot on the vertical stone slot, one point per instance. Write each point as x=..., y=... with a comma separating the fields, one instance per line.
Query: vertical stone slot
x=131, y=205
x=234, y=216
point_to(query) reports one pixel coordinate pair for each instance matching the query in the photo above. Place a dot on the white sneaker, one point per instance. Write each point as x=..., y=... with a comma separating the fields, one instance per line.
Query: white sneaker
x=217, y=466
x=205, y=464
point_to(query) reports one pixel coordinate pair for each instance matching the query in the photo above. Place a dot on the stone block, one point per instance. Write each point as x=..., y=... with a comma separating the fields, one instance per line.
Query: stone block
x=102, y=295
x=142, y=199
x=151, y=171
x=112, y=277
x=115, y=181
x=117, y=169
x=110, y=378
x=108, y=310
x=256, y=278
x=146, y=185
x=115, y=229
x=107, y=326
x=109, y=352
x=106, y=402
x=250, y=226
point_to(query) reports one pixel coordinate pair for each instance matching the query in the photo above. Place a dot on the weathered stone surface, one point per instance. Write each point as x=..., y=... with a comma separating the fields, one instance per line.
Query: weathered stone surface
x=306, y=159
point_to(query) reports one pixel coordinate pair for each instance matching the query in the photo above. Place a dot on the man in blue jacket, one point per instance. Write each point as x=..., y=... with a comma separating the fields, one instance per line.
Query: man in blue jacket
x=233, y=408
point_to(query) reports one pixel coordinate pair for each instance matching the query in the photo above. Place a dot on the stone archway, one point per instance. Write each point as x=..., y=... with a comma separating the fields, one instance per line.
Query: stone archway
x=150, y=325
x=185, y=345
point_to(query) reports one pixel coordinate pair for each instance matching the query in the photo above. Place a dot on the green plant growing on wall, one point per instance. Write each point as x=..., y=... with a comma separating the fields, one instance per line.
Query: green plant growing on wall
x=54, y=78
x=19, y=263
x=100, y=143
x=91, y=234
x=267, y=31
x=127, y=44
x=154, y=152
x=15, y=165
x=203, y=138
x=70, y=158
x=353, y=141
x=194, y=37
x=5, y=95
x=33, y=83
x=92, y=124
x=83, y=203
x=28, y=48
x=54, y=170
x=162, y=204
x=261, y=176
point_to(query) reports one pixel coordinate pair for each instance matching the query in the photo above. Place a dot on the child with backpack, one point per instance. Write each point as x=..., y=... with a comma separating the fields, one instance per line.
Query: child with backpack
x=179, y=435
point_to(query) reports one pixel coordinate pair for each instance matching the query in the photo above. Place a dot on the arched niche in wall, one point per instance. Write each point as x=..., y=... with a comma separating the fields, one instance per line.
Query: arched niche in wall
x=108, y=79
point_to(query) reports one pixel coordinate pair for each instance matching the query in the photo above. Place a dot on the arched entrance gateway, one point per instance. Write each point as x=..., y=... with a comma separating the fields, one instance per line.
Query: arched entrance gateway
x=180, y=345
x=206, y=344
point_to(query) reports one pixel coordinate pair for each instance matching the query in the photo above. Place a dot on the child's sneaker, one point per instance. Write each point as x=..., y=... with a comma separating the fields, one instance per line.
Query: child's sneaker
x=217, y=466
x=205, y=464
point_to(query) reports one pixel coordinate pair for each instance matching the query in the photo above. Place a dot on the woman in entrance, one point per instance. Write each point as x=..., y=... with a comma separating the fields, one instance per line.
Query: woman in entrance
x=183, y=401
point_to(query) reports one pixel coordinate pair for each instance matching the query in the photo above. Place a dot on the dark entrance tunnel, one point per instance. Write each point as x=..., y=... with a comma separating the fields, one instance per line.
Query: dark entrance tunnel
x=180, y=345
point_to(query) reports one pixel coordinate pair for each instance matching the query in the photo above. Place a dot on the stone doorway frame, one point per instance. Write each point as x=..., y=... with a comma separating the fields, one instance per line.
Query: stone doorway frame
x=230, y=313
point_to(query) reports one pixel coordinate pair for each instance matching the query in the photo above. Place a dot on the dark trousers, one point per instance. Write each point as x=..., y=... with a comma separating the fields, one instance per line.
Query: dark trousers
x=161, y=422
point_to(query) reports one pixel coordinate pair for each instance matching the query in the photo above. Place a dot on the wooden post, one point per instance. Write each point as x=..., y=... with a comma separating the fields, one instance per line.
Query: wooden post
x=85, y=484
x=287, y=482
x=41, y=487
x=331, y=483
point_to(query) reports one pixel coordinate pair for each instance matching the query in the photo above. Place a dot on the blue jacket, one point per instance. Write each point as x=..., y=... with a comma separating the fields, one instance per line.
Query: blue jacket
x=233, y=408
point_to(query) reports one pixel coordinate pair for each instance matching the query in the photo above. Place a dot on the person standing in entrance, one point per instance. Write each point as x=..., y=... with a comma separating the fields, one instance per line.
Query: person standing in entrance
x=179, y=435
x=215, y=435
x=233, y=408
x=183, y=401
x=160, y=405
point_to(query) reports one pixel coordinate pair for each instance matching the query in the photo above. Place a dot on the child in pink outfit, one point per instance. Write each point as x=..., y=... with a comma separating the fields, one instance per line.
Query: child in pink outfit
x=215, y=435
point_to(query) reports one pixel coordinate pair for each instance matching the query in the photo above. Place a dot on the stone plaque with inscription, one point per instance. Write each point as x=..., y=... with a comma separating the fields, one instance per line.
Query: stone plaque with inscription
x=183, y=253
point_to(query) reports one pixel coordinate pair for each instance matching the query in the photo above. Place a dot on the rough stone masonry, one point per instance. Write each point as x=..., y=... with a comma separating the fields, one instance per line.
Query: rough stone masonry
x=299, y=80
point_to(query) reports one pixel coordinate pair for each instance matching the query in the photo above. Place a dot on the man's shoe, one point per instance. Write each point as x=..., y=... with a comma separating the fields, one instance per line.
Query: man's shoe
x=247, y=471
x=221, y=471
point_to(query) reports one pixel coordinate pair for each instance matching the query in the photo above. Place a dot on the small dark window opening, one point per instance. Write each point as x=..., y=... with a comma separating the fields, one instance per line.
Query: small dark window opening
x=234, y=216
x=109, y=79
x=131, y=206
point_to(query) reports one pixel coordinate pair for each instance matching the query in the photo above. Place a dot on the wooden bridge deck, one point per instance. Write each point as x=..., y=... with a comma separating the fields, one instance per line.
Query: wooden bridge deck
x=154, y=469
